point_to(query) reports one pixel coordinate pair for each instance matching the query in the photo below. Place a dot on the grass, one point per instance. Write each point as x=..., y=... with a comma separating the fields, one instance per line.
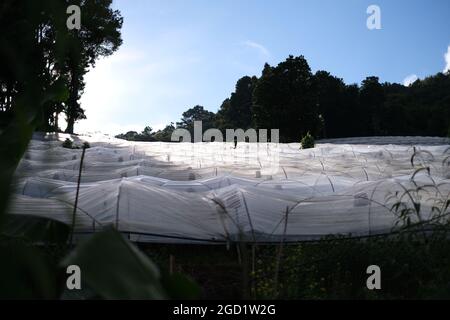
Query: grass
x=215, y=268
x=336, y=269
x=411, y=268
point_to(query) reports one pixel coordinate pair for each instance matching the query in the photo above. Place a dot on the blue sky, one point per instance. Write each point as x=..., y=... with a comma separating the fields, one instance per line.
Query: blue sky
x=177, y=54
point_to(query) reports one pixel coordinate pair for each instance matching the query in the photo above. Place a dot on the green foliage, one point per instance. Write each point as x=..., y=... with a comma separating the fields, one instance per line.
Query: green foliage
x=38, y=56
x=336, y=269
x=290, y=98
x=99, y=37
x=197, y=113
x=26, y=88
x=307, y=141
x=67, y=144
x=130, y=136
x=164, y=134
x=285, y=98
x=148, y=134
x=414, y=258
x=372, y=98
x=34, y=229
x=35, y=40
x=29, y=249
x=236, y=112
x=113, y=268
x=406, y=203
x=26, y=272
x=148, y=131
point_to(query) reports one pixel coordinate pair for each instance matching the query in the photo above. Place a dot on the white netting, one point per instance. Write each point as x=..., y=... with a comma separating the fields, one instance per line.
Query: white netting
x=165, y=192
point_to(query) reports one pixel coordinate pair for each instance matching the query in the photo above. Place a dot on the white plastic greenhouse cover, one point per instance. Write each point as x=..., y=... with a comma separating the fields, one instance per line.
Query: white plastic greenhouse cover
x=211, y=192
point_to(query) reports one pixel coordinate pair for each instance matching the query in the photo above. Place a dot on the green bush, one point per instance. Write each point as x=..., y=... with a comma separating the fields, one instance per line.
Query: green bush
x=67, y=144
x=336, y=268
x=308, y=141
x=70, y=145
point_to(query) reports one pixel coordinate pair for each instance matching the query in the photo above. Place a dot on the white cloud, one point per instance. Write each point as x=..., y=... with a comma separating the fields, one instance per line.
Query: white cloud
x=447, y=60
x=409, y=80
x=263, y=50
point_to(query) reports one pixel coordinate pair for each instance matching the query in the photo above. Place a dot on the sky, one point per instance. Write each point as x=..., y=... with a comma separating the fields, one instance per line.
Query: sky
x=180, y=53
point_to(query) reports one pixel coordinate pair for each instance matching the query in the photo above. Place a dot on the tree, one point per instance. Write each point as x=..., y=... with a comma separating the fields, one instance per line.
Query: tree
x=30, y=48
x=285, y=98
x=428, y=102
x=331, y=103
x=148, y=135
x=165, y=134
x=55, y=53
x=99, y=36
x=290, y=98
x=351, y=113
x=372, y=100
x=223, y=121
x=28, y=84
x=236, y=112
x=147, y=131
x=394, y=116
x=197, y=113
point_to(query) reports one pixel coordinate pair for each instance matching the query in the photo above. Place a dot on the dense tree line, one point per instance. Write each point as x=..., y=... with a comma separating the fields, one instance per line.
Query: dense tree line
x=35, y=33
x=296, y=101
x=149, y=135
x=36, y=44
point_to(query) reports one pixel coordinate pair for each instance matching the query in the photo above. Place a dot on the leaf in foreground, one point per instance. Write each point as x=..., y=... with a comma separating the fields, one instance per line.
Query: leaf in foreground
x=114, y=268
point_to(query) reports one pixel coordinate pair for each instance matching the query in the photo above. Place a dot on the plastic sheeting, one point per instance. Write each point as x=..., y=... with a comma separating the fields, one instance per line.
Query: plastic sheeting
x=211, y=192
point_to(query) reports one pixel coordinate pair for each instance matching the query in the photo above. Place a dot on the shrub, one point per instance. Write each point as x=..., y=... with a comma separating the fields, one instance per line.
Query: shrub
x=307, y=141
x=67, y=144
x=70, y=145
x=336, y=268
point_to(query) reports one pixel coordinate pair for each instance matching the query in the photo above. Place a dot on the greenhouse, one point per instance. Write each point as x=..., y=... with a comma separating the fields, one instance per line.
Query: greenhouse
x=213, y=193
